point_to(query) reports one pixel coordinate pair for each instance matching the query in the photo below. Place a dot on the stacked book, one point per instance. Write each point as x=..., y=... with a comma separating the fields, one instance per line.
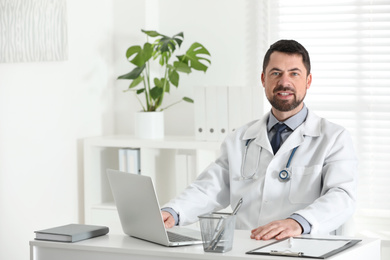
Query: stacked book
x=71, y=233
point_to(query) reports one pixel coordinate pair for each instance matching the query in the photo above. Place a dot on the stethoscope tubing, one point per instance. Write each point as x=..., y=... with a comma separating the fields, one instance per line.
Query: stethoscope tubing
x=291, y=156
x=248, y=142
x=284, y=175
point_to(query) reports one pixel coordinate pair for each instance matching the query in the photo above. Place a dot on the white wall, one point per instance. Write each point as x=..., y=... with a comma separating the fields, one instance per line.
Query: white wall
x=46, y=108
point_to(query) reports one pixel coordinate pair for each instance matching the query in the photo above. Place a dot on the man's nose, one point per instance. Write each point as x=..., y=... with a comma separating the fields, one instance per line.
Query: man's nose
x=284, y=80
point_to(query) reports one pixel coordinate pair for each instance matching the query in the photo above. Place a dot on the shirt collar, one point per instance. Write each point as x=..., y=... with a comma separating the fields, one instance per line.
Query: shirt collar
x=292, y=122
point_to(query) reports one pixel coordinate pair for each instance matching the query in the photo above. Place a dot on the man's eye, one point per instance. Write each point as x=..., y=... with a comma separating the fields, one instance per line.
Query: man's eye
x=295, y=74
x=275, y=73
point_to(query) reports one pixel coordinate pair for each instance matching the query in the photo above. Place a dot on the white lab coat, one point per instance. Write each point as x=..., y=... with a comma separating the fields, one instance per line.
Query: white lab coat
x=322, y=188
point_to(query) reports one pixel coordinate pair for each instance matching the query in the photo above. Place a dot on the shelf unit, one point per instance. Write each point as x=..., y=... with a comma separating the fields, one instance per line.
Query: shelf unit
x=158, y=160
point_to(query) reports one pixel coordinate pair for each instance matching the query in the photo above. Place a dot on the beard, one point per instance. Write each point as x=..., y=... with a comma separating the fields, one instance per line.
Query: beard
x=285, y=105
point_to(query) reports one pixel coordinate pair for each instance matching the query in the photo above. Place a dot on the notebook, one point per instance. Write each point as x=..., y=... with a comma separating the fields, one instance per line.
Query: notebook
x=139, y=211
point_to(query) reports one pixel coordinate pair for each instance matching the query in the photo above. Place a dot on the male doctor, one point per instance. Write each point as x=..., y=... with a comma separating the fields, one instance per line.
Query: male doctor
x=286, y=192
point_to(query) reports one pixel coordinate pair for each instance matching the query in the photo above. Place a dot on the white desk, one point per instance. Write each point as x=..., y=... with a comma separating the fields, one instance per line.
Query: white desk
x=120, y=247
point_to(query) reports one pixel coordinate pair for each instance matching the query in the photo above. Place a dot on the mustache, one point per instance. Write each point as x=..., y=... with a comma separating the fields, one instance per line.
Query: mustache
x=284, y=88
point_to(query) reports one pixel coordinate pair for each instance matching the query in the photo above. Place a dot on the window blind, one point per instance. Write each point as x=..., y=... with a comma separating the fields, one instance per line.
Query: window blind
x=349, y=46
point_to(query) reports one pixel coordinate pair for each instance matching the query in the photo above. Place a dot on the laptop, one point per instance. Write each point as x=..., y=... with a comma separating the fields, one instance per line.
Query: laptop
x=139, y=211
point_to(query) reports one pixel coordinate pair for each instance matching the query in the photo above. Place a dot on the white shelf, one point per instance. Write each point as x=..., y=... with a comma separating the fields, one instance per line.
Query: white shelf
x=105, y=206
x=159, y=160
x=169, y=142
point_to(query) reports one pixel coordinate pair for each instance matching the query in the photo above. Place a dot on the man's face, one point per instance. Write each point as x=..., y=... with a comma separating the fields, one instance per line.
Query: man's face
x=285, y=81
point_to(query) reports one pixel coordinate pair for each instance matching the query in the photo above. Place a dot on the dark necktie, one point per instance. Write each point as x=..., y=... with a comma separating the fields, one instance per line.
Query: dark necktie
x=277, y=138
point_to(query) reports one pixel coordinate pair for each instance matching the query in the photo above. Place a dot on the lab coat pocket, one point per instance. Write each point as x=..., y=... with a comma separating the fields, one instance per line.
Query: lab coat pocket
x=305, y=184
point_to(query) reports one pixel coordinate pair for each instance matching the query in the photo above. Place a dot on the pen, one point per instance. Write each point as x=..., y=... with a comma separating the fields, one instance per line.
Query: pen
x=290, y=242
x=217, y=231
x=238, y=206
x=215, y=242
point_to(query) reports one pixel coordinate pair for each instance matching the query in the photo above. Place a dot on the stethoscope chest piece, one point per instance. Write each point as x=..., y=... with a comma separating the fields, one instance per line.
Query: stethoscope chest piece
x=284, y=175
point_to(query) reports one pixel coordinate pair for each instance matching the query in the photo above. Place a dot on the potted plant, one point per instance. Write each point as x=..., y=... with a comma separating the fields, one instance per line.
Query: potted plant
x=161, y=51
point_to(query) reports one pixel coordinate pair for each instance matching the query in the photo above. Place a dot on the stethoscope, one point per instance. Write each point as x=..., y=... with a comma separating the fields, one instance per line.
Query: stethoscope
x=284, y=175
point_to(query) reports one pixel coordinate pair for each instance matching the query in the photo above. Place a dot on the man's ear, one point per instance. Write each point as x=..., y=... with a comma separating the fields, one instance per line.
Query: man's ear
x=262, y=79
x=308, y=81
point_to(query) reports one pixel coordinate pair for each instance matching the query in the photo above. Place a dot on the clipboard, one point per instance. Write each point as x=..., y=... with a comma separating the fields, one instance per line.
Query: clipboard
x=305, y=247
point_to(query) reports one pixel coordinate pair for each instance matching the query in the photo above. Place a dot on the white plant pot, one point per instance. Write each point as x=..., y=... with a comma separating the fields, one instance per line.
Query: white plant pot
x=149, y=125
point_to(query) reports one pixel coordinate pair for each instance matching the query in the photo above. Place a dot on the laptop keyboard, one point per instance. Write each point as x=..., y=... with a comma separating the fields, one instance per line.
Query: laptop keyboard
x=174, y=237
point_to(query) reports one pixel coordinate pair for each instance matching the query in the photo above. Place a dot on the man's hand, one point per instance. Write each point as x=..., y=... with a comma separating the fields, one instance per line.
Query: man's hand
x=169, y=221
x=277, y=229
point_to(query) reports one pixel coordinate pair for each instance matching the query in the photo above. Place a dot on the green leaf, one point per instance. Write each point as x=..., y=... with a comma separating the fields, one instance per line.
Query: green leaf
x=182, y=67
x=135, y=82
x=142, y=55
x=139, y=91
x=174, y=78
x=147, y=51
x=152, y=33
x=165, y=56
x=187, y=99
x=133, y=74
x=156, y=92
x=194, y=55
x=158, y=82
x=167, y=45
x=166, y=85
x=178, y=38
x=133, y=50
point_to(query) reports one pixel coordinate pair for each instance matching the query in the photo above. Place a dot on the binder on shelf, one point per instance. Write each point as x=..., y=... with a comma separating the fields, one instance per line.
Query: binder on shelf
x=219, y=110
x=122, y=157
x=71, y=233
x=130, y=160
x=234, y=108
x=133, y=160
x=200, y=113
x=222, y=113
x=305, y=247
x=211, y=114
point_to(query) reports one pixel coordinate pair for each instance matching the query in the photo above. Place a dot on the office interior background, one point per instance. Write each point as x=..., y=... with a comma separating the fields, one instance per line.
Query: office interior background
x=47, y=108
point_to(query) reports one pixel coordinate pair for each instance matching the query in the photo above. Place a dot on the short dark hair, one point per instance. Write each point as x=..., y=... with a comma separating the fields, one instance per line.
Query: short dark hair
x=289, y=47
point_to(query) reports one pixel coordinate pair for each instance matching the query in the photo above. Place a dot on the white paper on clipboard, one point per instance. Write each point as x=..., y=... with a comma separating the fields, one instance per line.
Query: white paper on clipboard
x=306, y=247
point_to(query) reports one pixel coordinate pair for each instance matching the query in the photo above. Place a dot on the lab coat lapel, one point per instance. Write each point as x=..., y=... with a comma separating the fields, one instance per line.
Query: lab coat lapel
x=258, y=131
x=311, y=127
